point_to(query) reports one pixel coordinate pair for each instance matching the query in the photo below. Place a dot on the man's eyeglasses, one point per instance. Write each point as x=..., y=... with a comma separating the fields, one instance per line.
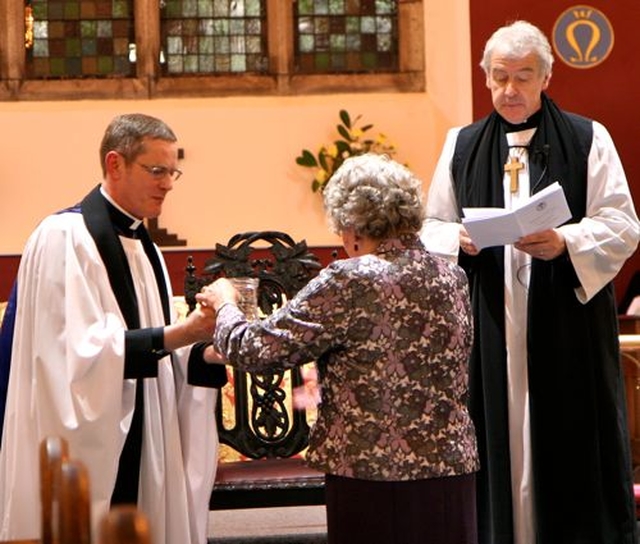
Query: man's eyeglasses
x=160, y=172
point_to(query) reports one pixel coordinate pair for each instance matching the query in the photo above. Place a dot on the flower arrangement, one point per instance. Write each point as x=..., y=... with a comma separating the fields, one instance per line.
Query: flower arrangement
x=352, y=141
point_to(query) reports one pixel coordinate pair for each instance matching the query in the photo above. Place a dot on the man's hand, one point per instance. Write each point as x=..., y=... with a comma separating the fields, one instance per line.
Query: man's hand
x=201, y=322
x=546, y=244
x=197, y=327
x=466, y=244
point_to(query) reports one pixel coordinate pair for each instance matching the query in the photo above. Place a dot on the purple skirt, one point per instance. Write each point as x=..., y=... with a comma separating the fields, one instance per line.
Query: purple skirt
x=431, y=511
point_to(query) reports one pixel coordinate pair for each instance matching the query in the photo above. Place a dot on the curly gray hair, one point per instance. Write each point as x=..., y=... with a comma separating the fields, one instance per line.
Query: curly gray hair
x=376, y=196
x=517, y=40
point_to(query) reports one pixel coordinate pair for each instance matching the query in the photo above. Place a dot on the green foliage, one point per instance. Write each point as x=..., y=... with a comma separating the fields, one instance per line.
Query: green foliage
x=352, y=141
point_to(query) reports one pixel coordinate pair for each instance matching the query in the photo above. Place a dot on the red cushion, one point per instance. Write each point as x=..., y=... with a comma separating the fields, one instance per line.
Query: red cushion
x=636, y=493
x=269, y=472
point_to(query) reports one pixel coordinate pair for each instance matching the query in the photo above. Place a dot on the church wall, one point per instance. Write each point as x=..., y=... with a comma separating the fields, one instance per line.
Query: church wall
x=239, y=164
x=240, y=171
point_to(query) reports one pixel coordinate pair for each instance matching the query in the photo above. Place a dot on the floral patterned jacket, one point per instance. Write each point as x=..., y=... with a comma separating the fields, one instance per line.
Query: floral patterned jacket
x=391, y=333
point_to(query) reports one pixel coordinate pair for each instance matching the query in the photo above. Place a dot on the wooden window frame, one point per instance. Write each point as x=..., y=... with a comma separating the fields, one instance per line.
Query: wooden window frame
x=148, y=82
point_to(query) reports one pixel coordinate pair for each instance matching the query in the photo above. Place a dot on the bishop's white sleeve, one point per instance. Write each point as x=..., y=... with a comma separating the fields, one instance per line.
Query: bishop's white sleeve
x=607, y=236
x=441, y=230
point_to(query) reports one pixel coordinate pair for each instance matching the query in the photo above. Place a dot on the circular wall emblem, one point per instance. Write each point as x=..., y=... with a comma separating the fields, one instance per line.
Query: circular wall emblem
x=582, y=37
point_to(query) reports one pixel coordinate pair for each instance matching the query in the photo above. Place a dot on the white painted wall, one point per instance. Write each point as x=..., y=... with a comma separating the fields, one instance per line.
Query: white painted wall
x=240, y=171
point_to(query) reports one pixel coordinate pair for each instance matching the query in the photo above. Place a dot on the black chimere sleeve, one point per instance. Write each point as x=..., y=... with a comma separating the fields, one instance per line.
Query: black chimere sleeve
x=143, y=349
x=202, y=373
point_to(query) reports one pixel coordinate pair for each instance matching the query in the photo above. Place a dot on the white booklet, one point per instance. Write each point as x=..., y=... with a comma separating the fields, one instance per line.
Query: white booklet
x=546, y=209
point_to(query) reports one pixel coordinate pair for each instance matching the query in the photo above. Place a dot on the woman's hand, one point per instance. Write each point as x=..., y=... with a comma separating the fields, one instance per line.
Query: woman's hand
x=218, y=293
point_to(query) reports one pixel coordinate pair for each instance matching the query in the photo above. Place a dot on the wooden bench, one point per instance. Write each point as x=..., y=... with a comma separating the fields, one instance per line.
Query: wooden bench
x=124, y=524
x=261, y=424
x=64, y=494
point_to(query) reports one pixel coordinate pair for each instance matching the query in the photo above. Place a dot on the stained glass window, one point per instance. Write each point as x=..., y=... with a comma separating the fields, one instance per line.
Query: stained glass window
x=214, y=36
x=102, y=49
x=346, y=36
x=80, y=38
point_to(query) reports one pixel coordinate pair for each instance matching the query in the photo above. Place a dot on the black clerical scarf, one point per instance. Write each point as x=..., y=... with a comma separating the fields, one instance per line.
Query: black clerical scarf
x=102, y=221
x=579, y=443
x=95, y=211
x=557, y=152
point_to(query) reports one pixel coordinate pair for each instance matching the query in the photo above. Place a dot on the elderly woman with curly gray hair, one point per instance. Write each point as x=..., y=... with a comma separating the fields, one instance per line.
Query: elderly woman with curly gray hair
x=391, y=330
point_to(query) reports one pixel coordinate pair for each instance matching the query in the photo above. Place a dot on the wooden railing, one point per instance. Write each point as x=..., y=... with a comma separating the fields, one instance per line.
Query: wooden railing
x=630, y=358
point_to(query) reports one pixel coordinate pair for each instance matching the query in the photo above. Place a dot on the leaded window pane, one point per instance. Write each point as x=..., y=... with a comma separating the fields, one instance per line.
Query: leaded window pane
x=85, y=39
x=227, y=36
x=346, y=36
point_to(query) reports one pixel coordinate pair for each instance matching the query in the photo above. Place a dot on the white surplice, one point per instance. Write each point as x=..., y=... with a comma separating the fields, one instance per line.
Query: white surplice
x=67, y=379
x=597, y=246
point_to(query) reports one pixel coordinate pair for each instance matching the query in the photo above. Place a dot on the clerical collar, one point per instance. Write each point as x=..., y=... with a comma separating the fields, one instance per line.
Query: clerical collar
x=532, y=122
x=124, y=223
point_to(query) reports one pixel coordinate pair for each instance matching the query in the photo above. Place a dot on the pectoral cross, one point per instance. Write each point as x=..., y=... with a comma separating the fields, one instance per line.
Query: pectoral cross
x=513, y=167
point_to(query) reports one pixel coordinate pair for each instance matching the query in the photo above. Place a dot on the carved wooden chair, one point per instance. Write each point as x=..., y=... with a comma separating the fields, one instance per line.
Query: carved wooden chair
x=264, y=427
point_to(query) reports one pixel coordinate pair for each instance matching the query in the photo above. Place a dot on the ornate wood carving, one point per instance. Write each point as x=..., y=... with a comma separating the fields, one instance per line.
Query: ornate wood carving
x=264, y=425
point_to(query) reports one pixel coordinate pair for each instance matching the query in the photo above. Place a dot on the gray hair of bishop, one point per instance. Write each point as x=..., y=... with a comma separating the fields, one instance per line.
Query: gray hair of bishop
x=126, y=134
x=376, y=196
x=516, y=41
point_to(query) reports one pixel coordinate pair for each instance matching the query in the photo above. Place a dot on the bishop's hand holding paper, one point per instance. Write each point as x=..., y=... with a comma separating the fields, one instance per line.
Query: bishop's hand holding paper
x=539, y=215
